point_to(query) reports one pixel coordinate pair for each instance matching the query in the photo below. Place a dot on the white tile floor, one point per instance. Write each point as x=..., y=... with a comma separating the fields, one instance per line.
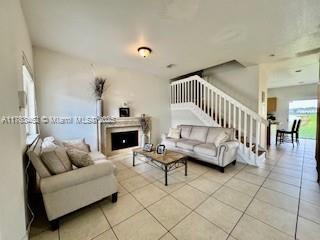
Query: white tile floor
x=279, y=200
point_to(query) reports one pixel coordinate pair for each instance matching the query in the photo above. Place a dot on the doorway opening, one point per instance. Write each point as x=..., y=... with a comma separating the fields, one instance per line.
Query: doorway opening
x=306, y=110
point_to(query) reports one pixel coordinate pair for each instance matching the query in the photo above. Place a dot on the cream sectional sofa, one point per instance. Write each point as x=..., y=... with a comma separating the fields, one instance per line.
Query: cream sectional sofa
x=74, y=189
x=198, y=142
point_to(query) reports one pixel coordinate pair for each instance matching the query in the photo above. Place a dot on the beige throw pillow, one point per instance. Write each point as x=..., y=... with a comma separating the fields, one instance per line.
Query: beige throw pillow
x=221, y=138
x=56, y=160
x=174, y=133
x=79, y=158
x=79, y=144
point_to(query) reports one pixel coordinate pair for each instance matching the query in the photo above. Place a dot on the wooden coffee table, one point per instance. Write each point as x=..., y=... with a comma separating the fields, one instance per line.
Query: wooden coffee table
x=167, y=162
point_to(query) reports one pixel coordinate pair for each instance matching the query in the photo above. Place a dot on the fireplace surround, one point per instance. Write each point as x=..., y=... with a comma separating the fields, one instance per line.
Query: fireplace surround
x=121, y=126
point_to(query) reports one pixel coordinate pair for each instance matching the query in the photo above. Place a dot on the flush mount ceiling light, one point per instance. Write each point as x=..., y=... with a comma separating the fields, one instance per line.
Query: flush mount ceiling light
x=144, y=51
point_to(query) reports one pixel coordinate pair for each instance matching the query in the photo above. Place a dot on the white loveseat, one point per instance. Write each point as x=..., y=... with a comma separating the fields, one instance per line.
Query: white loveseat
x=198, y=142
x=74, y=189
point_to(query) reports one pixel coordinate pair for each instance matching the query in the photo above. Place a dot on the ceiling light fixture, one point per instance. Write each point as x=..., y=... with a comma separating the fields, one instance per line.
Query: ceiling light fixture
x=144, y=51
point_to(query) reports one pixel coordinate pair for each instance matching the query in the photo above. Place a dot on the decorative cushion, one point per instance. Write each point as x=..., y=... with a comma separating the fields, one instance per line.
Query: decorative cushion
x=49, y=146
x=187, y=144
x=39, y=166
x=221, y=138
x=174, y=133
x=185, y=131
x=79, y=158
x=199, y=133
x=170, y=142
x=79, y=144
x=49, y=139
x=48, y=143
x=56, y=160
x=215, y=131
x=34, y=155
x=206, y=149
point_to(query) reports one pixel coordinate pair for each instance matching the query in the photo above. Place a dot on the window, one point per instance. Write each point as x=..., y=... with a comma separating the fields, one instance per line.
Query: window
x=306, y=110
x=30, y=108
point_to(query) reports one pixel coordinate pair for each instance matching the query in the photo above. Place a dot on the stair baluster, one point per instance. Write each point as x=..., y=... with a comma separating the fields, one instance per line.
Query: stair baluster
x=216, y=108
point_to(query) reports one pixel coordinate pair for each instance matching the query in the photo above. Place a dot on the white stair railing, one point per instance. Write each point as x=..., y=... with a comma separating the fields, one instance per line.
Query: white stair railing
x=225, y=111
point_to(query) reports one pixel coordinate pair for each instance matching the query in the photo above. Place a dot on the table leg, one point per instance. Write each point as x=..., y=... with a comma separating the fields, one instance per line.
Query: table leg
x=185, y=167
x=166, y=175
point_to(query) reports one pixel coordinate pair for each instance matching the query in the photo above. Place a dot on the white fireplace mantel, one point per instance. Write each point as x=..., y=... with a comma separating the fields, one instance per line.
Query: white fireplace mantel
x=123, y=122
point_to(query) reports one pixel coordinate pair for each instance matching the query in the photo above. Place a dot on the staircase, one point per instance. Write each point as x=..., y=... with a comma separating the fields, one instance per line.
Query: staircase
x=215, y=108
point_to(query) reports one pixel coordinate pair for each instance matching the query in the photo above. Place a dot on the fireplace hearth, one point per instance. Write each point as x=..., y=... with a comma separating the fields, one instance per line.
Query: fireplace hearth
x=127, y=139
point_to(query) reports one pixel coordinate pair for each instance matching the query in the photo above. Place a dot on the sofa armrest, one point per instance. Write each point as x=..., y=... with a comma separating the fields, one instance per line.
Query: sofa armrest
x=229, y=145
x=76, y=177
x=227, y=152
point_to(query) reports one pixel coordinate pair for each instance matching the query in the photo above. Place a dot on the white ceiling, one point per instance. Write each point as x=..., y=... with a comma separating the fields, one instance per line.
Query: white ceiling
x=193, y=34
x=283, y=73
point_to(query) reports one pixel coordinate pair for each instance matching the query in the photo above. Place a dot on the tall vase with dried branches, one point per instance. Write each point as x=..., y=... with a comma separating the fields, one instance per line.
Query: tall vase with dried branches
x=145, y=127
x=98, y=89
x=98, y=86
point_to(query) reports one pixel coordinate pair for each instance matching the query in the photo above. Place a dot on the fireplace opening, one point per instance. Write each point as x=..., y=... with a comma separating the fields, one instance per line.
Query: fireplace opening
x=120, y=140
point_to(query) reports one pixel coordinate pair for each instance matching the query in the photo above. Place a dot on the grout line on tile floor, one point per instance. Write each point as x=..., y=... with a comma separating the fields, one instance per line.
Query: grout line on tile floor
x=111, y=228
x=297, y=219
x=193, y=210
x=279, y=158
x=254, y=196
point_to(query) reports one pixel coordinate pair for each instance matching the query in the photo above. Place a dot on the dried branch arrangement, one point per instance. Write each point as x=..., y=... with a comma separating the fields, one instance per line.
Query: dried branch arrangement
x=98, y=87
x=145, y=125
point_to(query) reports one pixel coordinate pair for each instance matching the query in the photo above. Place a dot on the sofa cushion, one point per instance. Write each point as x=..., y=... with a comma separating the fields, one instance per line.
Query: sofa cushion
x=213, y=132
x=221, y=138
x=187, y=144
x=34, y=155
x=185, y=131
x=76, y=177
x=174, y=133
x=170, y=142
x=96, y=156
x=206, y=149
x=99, y=161
x=199, y=133
x=56, y=160
x=79, y=158
x=79, y=144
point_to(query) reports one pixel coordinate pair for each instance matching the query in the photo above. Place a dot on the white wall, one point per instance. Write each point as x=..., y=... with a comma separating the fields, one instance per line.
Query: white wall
x=286, y=94
x=64, y=88
x=14, y=40
x=239, y=82
x=179, y=117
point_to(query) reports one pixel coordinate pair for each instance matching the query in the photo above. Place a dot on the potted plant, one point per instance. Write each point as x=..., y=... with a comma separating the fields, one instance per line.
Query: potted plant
x=98, y=89
x=145, y=127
